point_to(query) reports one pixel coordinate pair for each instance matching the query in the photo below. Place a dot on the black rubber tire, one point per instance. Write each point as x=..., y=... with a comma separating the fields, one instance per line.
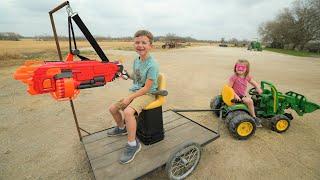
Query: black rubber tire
x=236, y=121
x=175, y=157
x=231, y=115
x=275, y=120
x=216, y=103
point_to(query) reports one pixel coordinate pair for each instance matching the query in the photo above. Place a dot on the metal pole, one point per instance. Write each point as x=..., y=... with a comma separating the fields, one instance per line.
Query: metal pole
x=55, y=37
x=54, y=27
x=219, y=121
x=59, y=7
x=75, y=119
x=60, y=58
x=194, y=110
x=203, y=110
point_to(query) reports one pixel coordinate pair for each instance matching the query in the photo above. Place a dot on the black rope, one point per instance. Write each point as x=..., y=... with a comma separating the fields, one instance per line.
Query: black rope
x=69, y=29
x=71, y=34
x=82, y=57
x=74, y=40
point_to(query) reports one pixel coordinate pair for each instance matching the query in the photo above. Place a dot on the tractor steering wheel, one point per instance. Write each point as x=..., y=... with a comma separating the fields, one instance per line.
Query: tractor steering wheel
x=253, y=91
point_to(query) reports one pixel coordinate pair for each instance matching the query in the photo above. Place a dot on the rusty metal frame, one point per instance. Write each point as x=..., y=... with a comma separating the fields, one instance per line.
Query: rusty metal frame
x=60, y=58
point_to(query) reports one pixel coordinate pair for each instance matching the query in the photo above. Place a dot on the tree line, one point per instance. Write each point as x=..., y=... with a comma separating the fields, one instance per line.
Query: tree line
x=168, y=37
x=296, y=28
x=10, y=36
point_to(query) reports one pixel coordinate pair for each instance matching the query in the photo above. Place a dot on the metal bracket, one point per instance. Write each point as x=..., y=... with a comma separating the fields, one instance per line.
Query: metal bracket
x=69, y=10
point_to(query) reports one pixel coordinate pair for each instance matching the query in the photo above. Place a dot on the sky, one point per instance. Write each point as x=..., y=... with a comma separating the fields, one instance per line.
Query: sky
x=200, y=19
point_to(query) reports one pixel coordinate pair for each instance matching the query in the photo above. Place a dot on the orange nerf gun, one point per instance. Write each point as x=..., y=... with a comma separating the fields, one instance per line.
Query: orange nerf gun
x=63, y=79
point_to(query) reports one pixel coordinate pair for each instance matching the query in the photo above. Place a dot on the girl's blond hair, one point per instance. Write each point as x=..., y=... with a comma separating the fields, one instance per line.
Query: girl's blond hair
x=243, y=61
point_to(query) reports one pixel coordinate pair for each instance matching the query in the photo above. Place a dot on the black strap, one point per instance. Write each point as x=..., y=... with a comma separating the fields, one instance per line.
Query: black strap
x=89, y=37
x=71, y=33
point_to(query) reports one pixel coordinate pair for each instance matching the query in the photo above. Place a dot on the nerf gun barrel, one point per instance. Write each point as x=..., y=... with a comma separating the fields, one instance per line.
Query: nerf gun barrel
x=64, y=79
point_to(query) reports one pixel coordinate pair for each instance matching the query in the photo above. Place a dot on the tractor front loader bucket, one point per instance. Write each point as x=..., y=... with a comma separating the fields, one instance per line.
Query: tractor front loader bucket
x=300, y=104
x=310, y=107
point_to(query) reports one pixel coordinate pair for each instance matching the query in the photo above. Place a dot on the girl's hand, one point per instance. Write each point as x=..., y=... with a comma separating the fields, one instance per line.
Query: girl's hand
x=237, y=98
x=259, y=90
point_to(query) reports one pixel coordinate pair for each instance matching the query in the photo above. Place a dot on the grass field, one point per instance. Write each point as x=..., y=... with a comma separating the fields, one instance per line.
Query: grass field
x=293, y=52
x=16, y=52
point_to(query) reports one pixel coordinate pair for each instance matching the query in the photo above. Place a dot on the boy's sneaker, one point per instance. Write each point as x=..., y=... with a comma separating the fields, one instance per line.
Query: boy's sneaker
x=129, y=153
x=116, y=131
x=258, y=122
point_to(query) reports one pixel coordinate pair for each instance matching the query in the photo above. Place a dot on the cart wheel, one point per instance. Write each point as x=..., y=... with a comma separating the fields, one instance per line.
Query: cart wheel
x=280, y=123
x=216, y=103
x=242, y=126
x=183, y=161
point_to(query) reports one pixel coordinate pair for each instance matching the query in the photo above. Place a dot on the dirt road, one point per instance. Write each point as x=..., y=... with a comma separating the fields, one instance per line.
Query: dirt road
x=38, y=139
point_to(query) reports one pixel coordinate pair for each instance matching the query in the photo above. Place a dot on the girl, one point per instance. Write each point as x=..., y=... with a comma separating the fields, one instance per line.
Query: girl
x=239, y=82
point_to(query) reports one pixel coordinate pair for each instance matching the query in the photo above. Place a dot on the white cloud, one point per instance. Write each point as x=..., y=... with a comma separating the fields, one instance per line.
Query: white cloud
x=201, y=19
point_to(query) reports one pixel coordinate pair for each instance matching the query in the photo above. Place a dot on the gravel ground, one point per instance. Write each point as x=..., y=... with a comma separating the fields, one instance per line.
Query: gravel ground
x=38, y=138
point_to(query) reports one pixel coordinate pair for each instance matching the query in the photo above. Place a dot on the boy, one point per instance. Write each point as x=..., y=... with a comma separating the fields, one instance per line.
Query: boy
x=145, y=82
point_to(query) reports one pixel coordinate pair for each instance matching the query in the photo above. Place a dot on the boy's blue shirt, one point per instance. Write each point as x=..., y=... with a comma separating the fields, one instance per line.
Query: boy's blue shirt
x=143, y=70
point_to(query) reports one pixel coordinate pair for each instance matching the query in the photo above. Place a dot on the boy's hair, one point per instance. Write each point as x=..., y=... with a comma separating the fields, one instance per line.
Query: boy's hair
x=243, y=61
x=144, y=33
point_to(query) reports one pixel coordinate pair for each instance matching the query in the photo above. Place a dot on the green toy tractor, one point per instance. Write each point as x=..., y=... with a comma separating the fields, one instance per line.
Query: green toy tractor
x=269, y=106
x=255, y=45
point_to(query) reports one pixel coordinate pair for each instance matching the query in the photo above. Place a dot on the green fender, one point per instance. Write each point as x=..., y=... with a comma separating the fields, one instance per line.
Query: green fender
x=238, y=107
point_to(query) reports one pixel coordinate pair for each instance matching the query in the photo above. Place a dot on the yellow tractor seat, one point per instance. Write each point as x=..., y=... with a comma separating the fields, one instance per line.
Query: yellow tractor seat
x=160, y=100
x=150, y=121
x=227, y=95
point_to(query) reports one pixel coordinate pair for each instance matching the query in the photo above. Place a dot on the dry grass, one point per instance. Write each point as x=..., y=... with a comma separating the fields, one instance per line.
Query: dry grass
x=16, y=52
x=6, y=55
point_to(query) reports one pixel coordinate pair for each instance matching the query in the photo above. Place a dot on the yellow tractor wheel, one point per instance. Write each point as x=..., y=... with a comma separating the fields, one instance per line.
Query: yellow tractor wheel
x=280, y=123
x=242, y=126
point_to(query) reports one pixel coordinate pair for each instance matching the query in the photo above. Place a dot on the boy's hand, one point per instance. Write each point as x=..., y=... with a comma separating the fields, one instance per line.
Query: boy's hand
x=125, y=75
x=122, y=72
x=126, y=101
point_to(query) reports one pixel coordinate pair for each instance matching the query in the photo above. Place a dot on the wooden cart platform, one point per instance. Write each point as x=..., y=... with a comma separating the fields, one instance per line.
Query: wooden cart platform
x=104, y=152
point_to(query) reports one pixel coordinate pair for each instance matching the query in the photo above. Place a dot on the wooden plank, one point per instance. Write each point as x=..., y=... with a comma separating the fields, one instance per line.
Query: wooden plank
x=167, y=117
x=174, y=123
x=95, y=137
x=103, y=146
x=112, y=158
x=102, y=135
x=104, y=152
x=108, y=167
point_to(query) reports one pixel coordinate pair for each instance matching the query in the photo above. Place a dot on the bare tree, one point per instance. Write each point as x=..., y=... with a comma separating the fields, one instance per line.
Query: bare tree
x=10, y=36
x=271, y=32
x=307, y=16
x=296, y=26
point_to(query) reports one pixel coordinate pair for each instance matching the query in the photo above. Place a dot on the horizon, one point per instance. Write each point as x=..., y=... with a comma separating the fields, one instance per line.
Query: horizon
x=201, y=20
